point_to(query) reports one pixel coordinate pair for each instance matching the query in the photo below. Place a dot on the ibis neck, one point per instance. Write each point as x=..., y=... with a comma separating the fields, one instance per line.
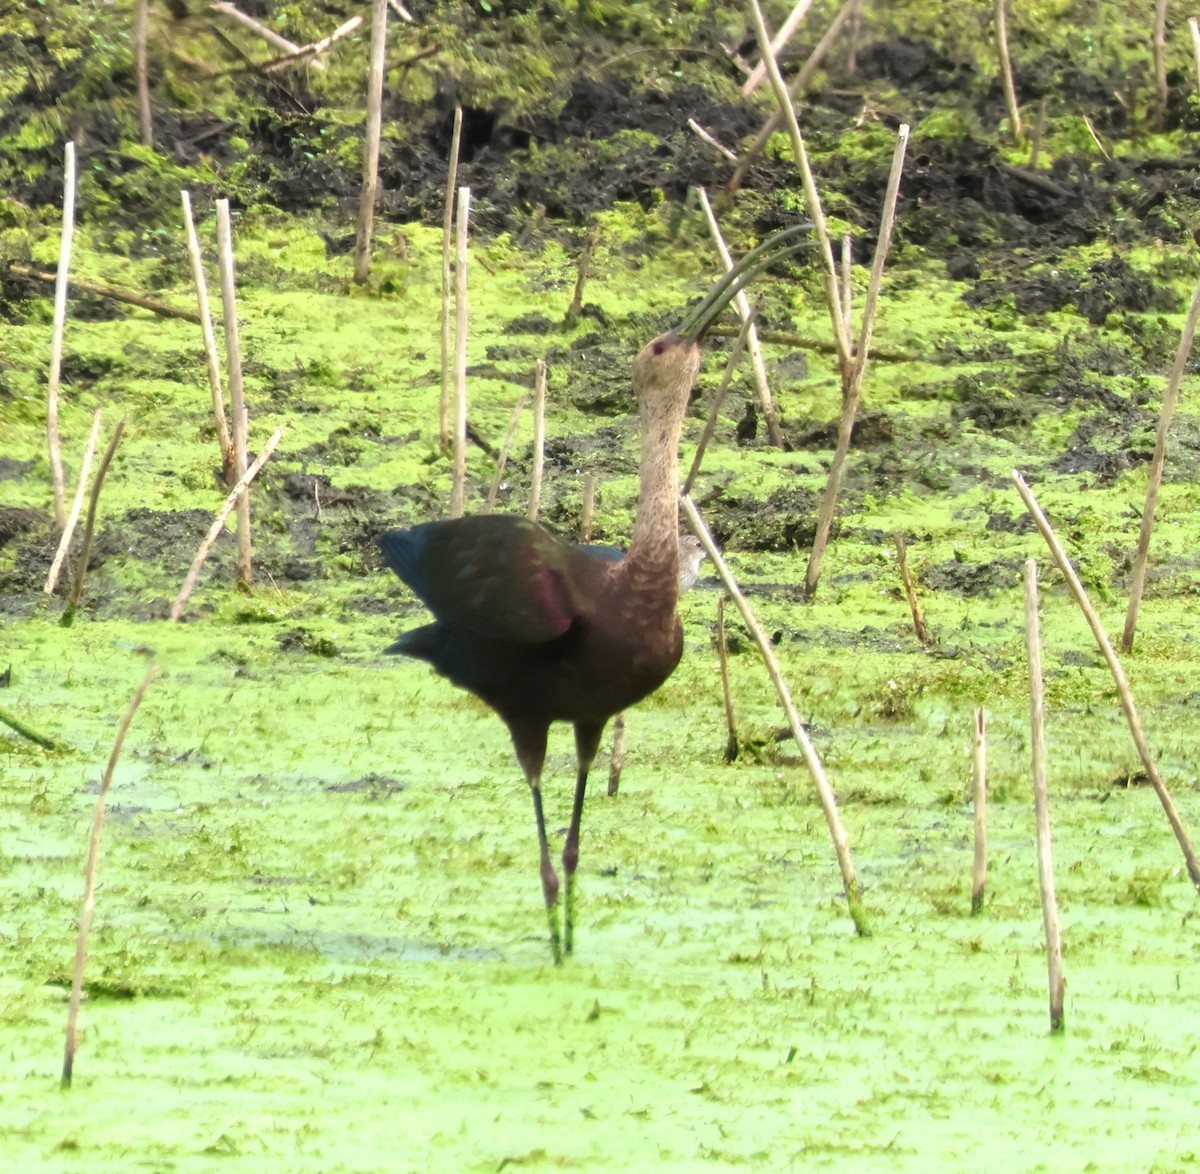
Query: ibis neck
x=655, y=545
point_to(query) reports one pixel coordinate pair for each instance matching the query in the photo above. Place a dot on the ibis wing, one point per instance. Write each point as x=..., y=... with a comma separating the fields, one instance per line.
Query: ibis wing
x=504, y=577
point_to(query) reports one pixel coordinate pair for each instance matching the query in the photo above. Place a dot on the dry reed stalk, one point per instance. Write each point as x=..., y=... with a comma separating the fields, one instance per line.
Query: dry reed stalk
x=1087, y=122
x=314, y=49
x=64, y=541
x=370, y=178
x=211, y=356
x=1194, y=29
x=799, y=83
x=1154, y=479
x=852, y=386
x=401, y=11
x=1114, y=666
x=502, y=459
x=979, y=778
x=742, y=304
x=89, y=529
x=588, y=510
x=841, y=329
x=162, y=309
x=575, y=309
x=823, y=346
x=617, y=761
x=713, y=412
x=910, y=589
x=233, y=360
x=89, y=877
x=218, y=524
x=1041, y=802
x=458, y=488
x=447, y=282
x=61, y=284
x=1158, y=53
x=731, y=742
x=1000, y=25
x=778, y=41
x=702, y=134
x=140, y=33
x=812, y=761
x=539, y=439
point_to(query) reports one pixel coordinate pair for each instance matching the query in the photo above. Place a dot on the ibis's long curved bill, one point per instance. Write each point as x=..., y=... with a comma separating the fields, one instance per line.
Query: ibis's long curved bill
x=775, y=248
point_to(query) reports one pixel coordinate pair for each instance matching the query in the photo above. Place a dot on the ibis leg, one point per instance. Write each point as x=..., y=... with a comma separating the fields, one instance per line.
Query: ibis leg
x=587, y=741
x=549, y=877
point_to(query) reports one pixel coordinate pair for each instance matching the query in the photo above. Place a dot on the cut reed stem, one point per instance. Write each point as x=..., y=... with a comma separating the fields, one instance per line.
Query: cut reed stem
x=458, y=490
x=61, y=283
x=370, y=174
x=588, y=507
x=1041, y=802
x=448, y=283
x=140, y=35
x=539, y=440
x=979, y=779
x=502, y=459
x=1000, y=25
x=731, y=741
x=237, y=398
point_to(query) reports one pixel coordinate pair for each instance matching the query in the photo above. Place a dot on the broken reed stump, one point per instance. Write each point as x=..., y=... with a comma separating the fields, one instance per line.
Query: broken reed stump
x=61, y=284
x=89, y=881
x=587, y=508
x=617, y=761
x=731, y=742
x=910, y=589
x=575, y=309
x=448, y=286
x=1128, y=705
x=218, y=524
x=89, y=529
x=64, y=541
x=211, y=356
x=979, y=779
x=370, y=174
x=458, y=487
x=539, y=440
x=1041, y=803
x=237, y=398
x=816, y=771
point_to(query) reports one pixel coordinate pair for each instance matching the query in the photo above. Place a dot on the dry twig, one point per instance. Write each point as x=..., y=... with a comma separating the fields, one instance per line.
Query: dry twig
x=64, y=541
x=89, y=882
x=1154, y=480
x=218, y=524
x=816, y=770
x=1114, y=666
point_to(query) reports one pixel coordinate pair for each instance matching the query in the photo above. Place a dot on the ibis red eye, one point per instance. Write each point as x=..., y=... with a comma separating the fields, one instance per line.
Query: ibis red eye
x=659, y=347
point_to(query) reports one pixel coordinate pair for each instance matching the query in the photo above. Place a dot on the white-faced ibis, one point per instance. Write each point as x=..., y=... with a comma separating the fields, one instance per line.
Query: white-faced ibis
x=544, y=630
